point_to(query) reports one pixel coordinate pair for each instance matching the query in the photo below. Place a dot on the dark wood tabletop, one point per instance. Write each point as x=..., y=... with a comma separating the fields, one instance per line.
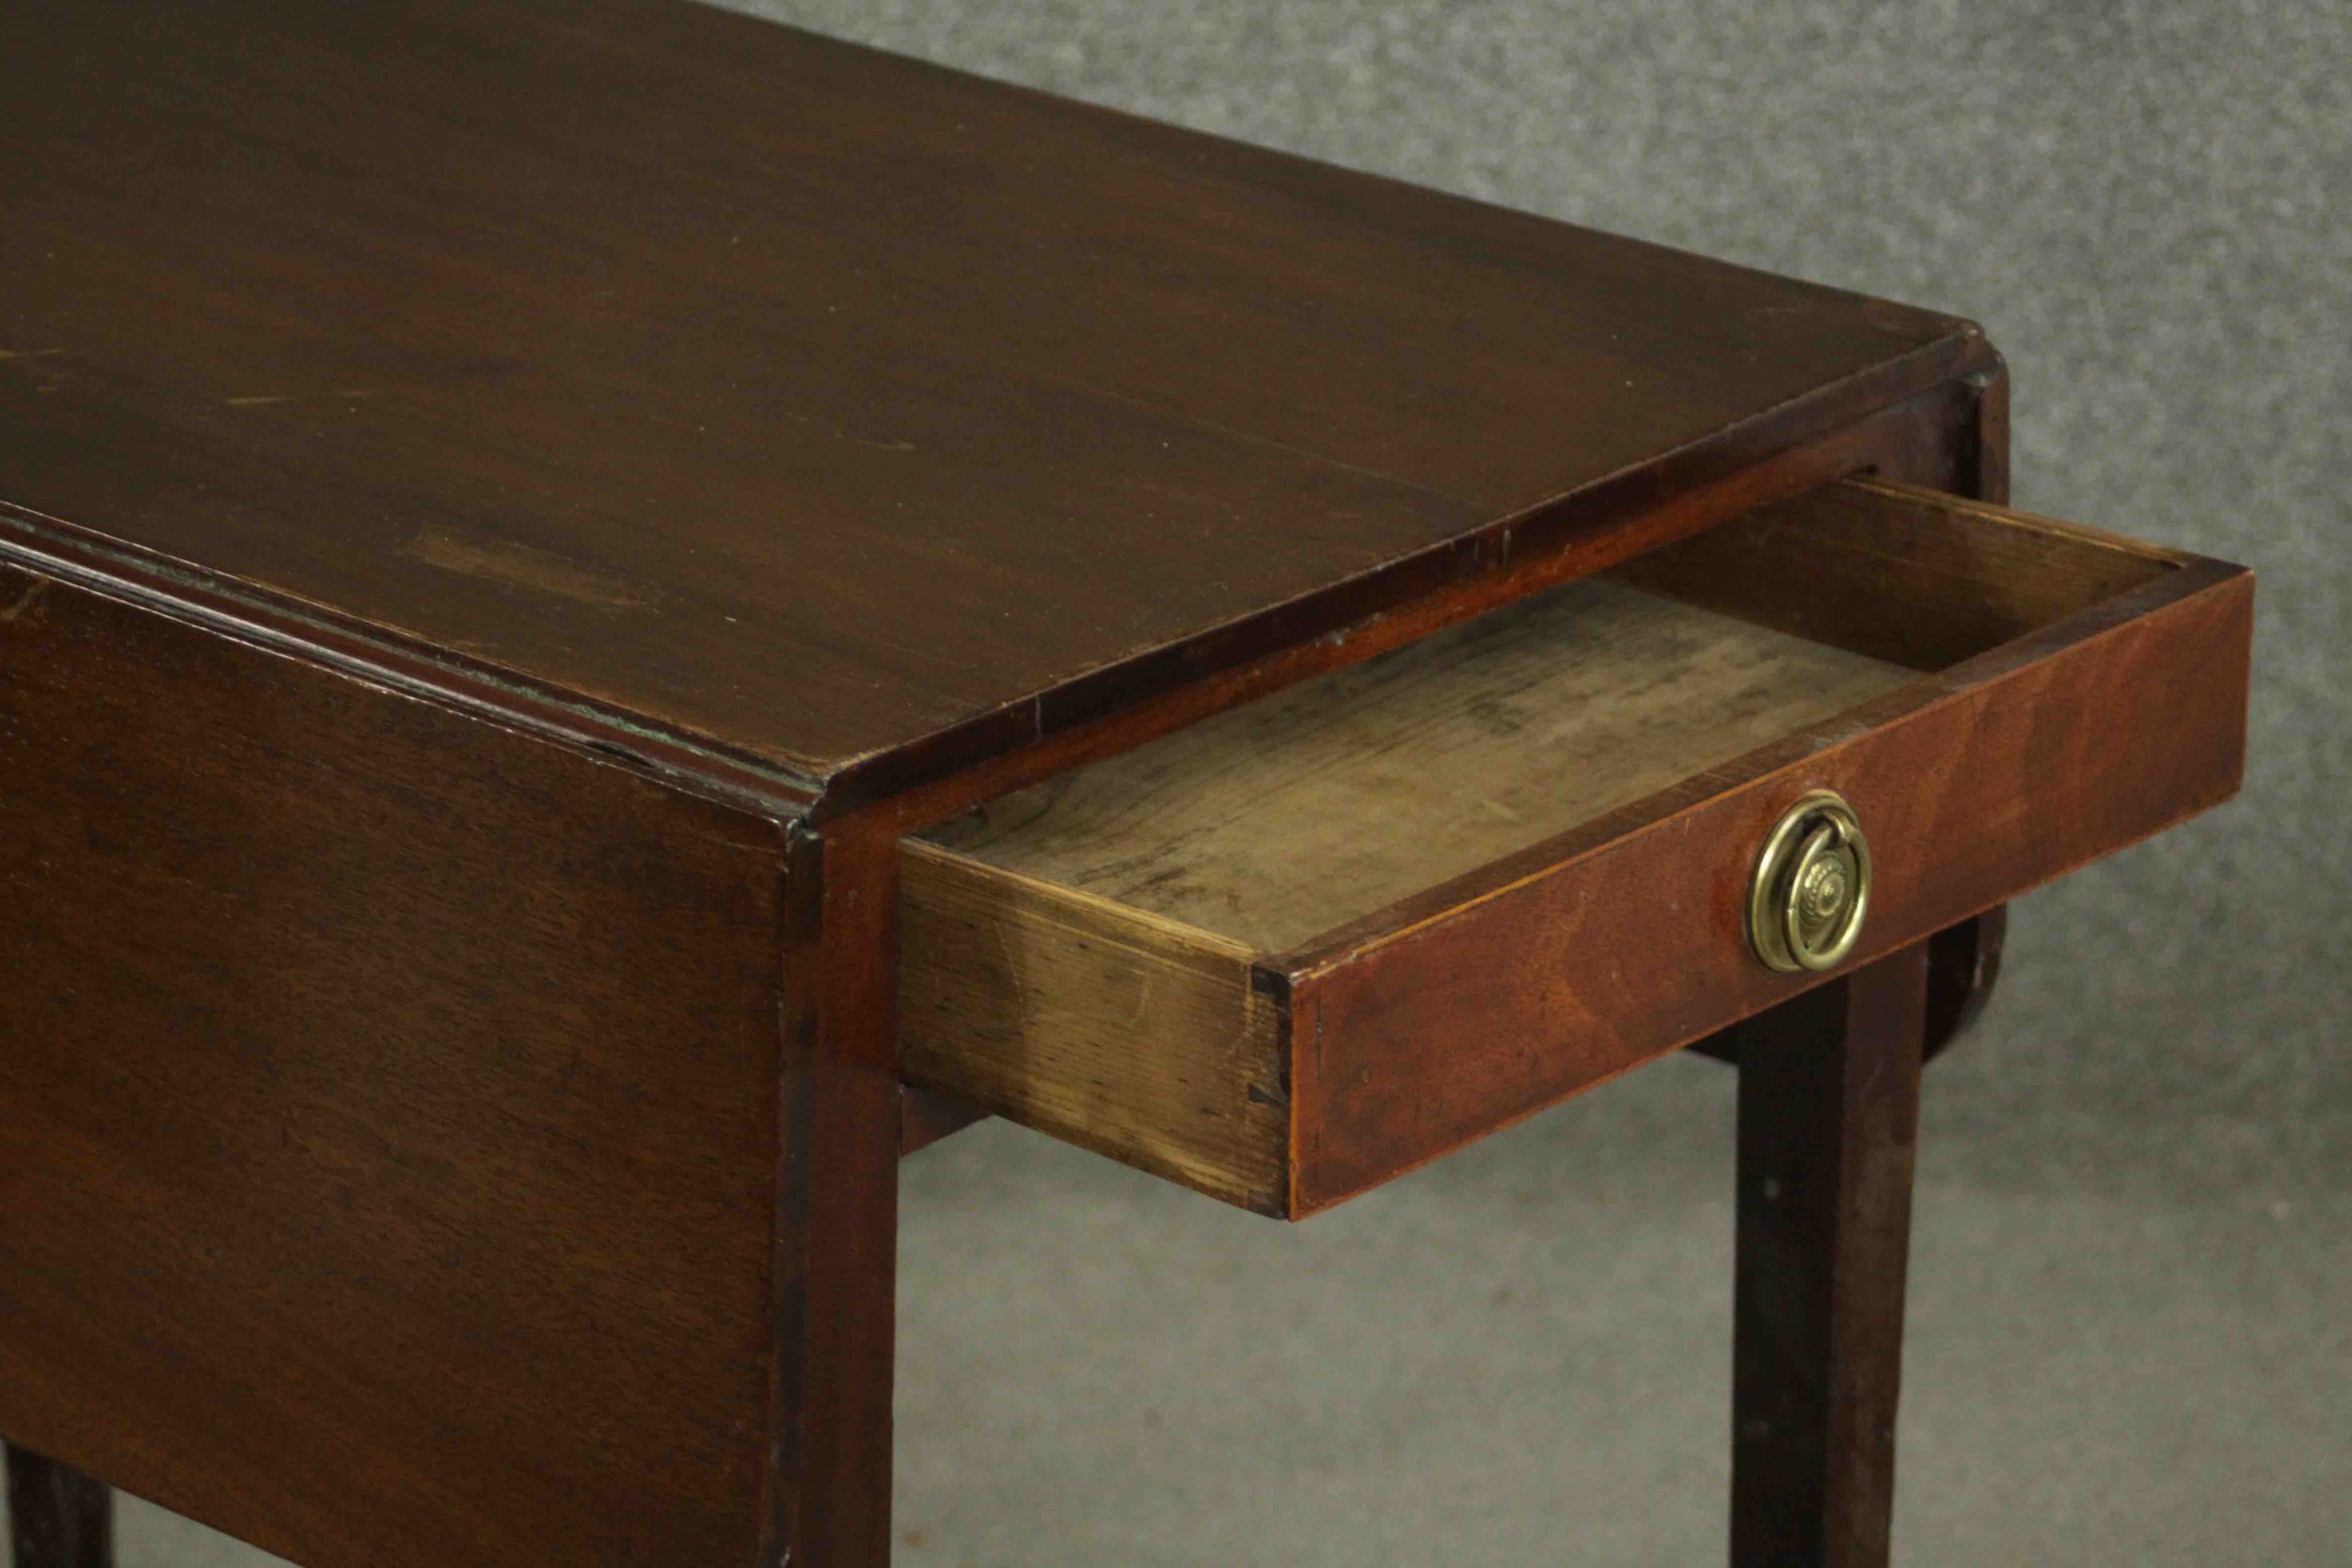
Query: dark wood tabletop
x=814, y=404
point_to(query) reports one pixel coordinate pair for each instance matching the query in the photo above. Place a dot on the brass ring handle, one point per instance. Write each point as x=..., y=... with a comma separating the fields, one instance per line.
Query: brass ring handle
x=1811, y=888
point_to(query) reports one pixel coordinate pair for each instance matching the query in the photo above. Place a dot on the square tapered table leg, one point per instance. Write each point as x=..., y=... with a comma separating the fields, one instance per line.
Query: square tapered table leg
x=59, y=1517
x=1829, y=1110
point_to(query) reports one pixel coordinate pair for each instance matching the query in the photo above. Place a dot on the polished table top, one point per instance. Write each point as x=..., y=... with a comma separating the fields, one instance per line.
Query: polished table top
x=817, y=405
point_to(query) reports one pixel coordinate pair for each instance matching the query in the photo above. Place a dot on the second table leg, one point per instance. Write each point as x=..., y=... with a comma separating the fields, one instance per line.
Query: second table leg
x=59, y=1517
x=1829, y=1107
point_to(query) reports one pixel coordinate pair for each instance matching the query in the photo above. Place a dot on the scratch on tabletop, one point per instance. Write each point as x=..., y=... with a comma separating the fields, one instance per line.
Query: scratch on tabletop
x=16, y=611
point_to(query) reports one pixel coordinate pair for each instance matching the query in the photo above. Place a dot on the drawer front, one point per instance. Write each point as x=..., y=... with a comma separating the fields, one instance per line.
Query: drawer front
x=1317, y=940
x=1587, y=956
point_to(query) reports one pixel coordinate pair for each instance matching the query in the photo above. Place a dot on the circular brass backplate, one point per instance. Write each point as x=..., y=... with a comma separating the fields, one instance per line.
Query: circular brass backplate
x=1811, y=887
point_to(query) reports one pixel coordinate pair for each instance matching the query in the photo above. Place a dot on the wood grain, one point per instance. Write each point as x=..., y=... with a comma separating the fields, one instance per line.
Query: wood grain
x=1908, y=575
x=1593, y=531
x=390, y=1107
x=1276, y=822
x=1549, y=972
x=1134, y=1037
x=1829, y=1123
x=813, y=403
x=838, y=1196
x=1445, y=887
x=1964, y=971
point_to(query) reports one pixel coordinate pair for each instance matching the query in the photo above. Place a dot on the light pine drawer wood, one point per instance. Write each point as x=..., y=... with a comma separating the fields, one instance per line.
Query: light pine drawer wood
x=1308, y=944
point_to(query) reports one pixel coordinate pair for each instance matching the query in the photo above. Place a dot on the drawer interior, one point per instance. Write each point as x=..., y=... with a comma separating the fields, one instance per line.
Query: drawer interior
x=1309, y=809
x=1299, y=814
x=1101, y=954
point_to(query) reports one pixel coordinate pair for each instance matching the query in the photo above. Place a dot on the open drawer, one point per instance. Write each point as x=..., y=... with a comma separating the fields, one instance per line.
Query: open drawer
x=1310, y=943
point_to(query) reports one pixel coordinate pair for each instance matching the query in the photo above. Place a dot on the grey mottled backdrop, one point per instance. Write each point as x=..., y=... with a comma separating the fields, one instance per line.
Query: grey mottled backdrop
x=2133, y=1275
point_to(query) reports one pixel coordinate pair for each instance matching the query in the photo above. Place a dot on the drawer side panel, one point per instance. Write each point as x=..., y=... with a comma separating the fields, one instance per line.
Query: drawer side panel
x=1139, y=1038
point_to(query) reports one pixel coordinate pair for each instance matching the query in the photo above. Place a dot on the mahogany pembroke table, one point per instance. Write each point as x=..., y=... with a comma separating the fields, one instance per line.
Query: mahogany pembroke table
x=611, y=614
